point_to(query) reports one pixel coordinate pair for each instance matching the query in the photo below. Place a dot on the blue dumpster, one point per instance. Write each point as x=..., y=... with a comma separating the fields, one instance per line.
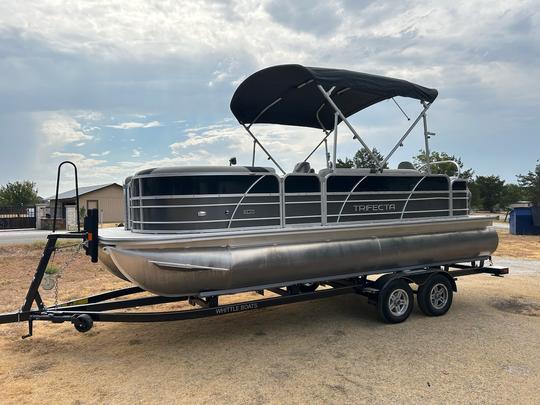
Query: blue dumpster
x=522, y=221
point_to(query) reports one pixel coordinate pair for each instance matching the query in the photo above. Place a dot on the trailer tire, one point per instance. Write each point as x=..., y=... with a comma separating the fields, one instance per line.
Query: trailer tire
x=83, y=323
x=435, y=295
x=395, y=301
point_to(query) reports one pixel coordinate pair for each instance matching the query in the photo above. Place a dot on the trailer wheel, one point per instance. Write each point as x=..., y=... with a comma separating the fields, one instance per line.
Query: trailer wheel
x=435, y=295
x=395, y=301
x=83, y=323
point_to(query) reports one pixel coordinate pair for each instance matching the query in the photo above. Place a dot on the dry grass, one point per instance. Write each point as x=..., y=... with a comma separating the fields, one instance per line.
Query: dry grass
x=518, y=246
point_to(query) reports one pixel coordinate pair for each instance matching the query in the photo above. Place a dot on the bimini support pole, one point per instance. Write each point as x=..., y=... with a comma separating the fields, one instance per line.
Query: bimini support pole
x=327, y=133
x=406, y=134
x=246, y=127
x=344, y=119
x=336, y=122
x=426, y=140
x=324, y=140
x=256, y=141
x=326, y=154
x=253, y=155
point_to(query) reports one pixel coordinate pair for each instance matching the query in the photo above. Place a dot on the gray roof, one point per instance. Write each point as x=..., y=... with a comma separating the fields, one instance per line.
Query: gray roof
x=82, y=191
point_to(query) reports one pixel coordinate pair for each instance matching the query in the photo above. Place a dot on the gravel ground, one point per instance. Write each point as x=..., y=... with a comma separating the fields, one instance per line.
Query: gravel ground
x=485, y=350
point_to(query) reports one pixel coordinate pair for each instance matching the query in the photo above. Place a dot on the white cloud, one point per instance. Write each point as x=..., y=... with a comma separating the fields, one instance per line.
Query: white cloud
x=132, y=125
x=135, y=153
x=206, y=138
x=61, y=129
x=89, y=115
x=82, y=162
x=288, y=145
x=100, y=154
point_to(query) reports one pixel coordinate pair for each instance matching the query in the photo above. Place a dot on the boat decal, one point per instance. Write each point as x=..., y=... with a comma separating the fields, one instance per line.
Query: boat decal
x=237, y=308
x=374, y=207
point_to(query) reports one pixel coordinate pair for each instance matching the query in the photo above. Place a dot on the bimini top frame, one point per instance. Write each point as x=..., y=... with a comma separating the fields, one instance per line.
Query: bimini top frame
x=320, y=98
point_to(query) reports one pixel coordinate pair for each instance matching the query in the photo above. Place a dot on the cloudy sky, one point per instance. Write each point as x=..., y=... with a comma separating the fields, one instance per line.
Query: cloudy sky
x=118, y=86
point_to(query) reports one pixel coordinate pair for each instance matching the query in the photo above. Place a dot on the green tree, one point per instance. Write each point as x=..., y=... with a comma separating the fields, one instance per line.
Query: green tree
x=344, y=164
x=362, y=159
x=449, y=169
x=531, y=185
x=511, y=194
x=18, y=193
x=487, y=192
x=476, y=201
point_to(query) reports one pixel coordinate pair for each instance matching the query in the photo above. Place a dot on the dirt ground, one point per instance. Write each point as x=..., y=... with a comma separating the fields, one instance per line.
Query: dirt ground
x=486, y=349
x=519, y=246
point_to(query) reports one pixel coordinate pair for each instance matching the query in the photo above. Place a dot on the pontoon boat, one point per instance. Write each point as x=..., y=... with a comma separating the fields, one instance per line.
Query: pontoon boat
x=210, y=230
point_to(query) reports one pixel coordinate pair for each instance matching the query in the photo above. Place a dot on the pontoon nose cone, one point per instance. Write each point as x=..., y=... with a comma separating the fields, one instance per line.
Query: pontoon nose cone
x=104, y=257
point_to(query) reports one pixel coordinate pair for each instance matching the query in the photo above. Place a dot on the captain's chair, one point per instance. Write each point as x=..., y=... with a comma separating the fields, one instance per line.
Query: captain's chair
x=302, y=167
x=406, y=165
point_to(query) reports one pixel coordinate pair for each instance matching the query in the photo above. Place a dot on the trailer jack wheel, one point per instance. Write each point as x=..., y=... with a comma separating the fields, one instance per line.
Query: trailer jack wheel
x=83, y=323
x=395, y=301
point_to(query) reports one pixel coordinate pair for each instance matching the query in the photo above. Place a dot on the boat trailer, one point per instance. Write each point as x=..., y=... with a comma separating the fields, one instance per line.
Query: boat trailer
x=391, y=292
x=392, y=288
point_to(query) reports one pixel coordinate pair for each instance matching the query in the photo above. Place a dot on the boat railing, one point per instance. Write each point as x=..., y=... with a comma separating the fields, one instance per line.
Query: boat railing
x=302, y=199
x=299, y=199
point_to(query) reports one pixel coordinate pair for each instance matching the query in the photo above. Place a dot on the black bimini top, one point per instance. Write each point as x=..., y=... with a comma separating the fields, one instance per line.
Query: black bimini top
x=290, y=95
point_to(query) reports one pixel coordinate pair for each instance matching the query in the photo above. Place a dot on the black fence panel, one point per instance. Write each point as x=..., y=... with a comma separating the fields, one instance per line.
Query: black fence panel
x=17, y=217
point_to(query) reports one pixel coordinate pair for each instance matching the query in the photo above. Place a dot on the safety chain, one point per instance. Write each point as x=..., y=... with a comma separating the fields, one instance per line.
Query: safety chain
x=61, y=268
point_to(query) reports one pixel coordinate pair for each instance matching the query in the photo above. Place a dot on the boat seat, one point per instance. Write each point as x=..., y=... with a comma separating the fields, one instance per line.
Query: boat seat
x=302, y=167
x=406, y=165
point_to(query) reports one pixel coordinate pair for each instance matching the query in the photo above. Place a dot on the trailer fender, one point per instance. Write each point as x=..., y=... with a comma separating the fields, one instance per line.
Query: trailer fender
x=384, y=280
x=423, y=279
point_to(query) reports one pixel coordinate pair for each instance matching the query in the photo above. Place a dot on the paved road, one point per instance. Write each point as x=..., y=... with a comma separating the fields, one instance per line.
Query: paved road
x=518, y=266
x=22, y=236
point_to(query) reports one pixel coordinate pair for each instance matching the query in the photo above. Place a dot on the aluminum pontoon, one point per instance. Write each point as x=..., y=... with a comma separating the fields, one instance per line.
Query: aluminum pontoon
x=190, y=230
x=197, y=233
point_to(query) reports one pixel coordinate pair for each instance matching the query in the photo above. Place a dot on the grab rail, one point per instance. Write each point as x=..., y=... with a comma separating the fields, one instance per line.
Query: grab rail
x=458, y=169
